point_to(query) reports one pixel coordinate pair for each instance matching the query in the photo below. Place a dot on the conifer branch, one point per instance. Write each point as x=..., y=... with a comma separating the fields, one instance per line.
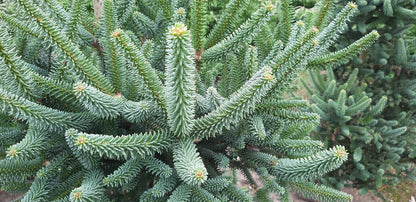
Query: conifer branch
x=145, y=25
x=90, y=162
x=119, y=147
x=41, y=186
x=298, y=29
x=165, y=8
x=114, y=55
x=324, y=13
x=264, y=44
x=11, y=135
x=189, y=164
x=57, y=9
x=139, y=112
x=286, y=20
x=181, y=193
x=238, y=106
x=343, y=56
x=317, y=192
x=302, y=169
x=124, y=174
x=17, y=171
x=270, y=182
x=198, y=24
x=243, y=35
x=74, y=18
x=171, y=126
x=272, y=104
x=81, y=63
x=180, y=80
x=277, y=48
x=41, y=116
x=15, y=71
x=298, y=148
x=38, y=191
x=61, y=192
x=163, y=186
x=296, y=115
x=216, y=184
x=236, y=194
x=157, y=167
x=91, y=189
x=259, y=159
x=97, y=103
x=200, y=194
x=16, y=186
x=31, y=146
x=224, y=24
x=59, y=90
x=125, y=10
x=143, y=67
x=331, y=33
x=29, y=28
x=257, y=127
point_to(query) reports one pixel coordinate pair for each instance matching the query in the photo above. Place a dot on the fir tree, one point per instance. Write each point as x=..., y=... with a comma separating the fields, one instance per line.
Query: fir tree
x=387, y=68
x=151, y=105
x=349, y=117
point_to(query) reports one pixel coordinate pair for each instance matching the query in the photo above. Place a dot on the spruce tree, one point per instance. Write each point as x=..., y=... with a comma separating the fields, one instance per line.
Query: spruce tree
x=150, y=105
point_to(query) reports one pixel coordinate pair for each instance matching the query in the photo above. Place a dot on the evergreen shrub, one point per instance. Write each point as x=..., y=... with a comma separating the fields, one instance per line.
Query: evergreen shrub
x=386, y=72
x=150, y=105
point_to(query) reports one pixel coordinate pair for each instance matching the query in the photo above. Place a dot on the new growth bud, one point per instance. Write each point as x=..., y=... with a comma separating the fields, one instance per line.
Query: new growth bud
x=180, y=11
x=268, y=75
x=77, y=194
x=116, y=33
x=80, y=88
x=199, y=174
x=81, y=140
x=269, y=6
x=178, y=29
x=12, y=152
x=352, y=5
x=340, y=153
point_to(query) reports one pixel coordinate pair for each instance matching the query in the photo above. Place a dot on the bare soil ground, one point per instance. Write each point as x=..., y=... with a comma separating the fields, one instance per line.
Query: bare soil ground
x=7, y=197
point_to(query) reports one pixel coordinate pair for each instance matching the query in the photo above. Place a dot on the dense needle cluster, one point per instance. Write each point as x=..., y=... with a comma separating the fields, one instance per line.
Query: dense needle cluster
x=155, y=104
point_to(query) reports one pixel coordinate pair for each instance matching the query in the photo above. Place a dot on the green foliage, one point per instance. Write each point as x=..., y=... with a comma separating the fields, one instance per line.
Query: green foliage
x=97, y=103
x=119, y=147
x=159, y=98
x=41, y=116
x=157, y=167
x=350, y=118
x=313, y=191
x=241, y=36
x=29, y=147
x=387, y=73
x=82, y=65
x=189, y=165
x=180, y=74
x=199, y=21
x=91, y=189
x=226, y=23
x=310, y=167
x=124, y=174
x=14, y=71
